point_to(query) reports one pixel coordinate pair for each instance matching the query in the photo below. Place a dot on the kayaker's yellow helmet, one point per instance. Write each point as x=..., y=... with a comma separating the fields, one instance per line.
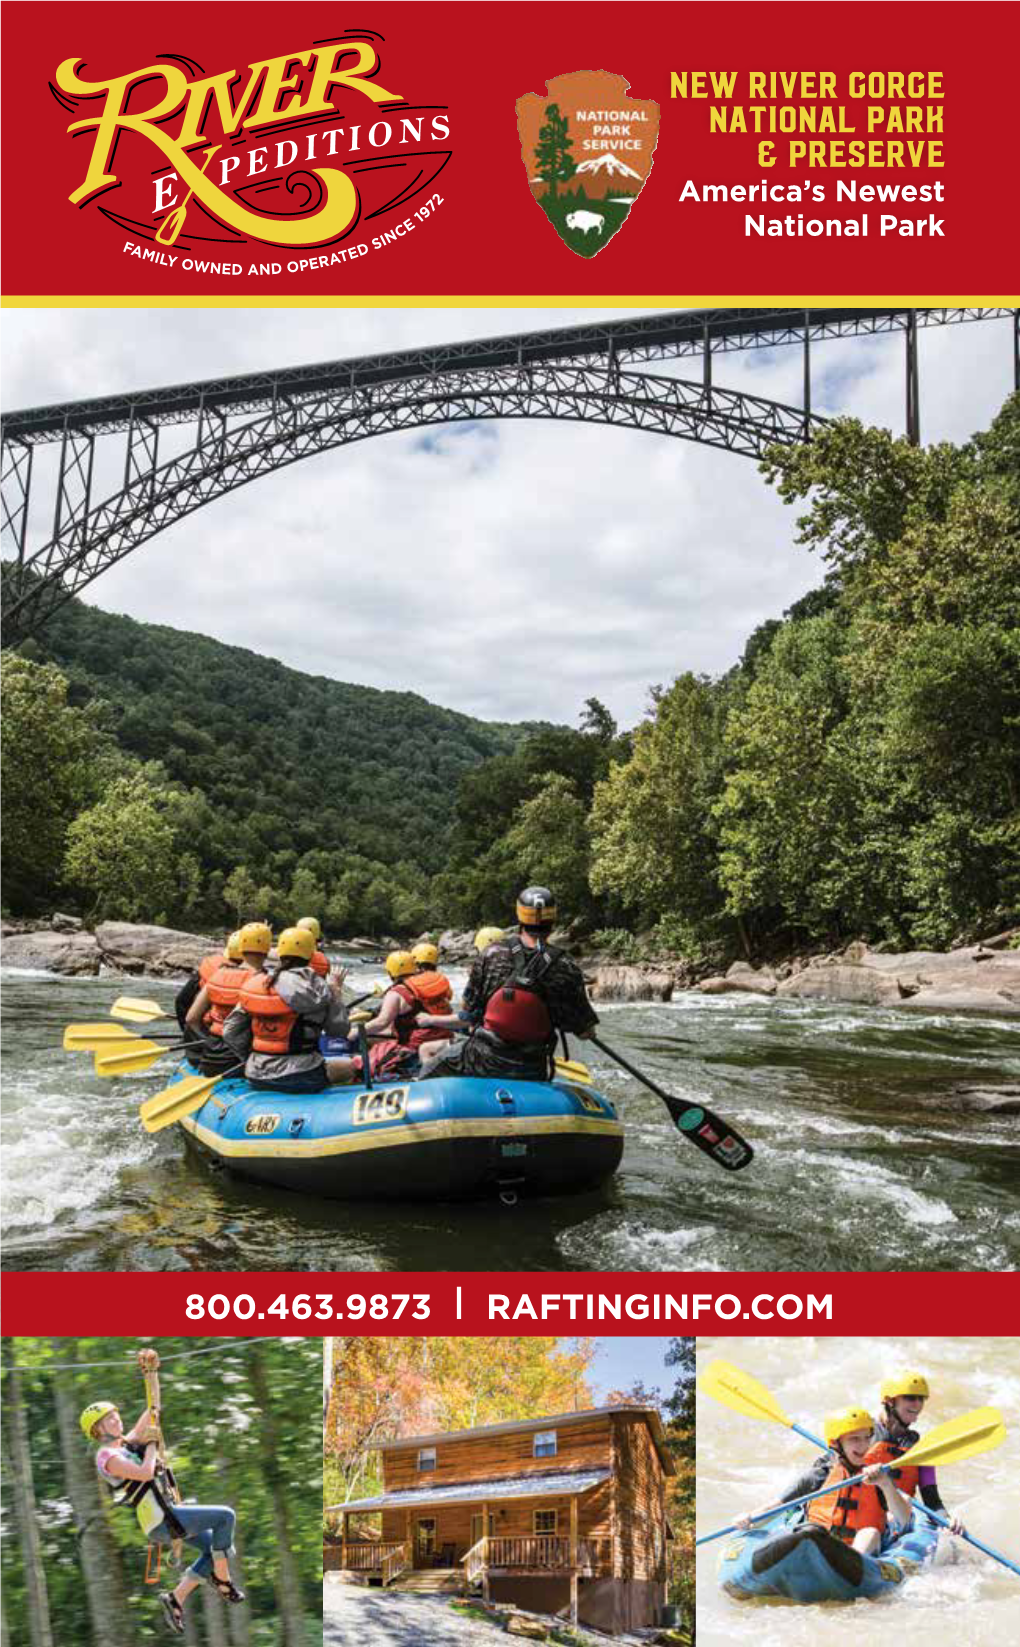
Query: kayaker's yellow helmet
x=845, y=1421
x=296, y=941
x=311, y=925
x=256, y=938
x=425, y=954
x=232, y=949
x=400, y=963
x=93, y=1413
x=904, y=1383
x=487, y=935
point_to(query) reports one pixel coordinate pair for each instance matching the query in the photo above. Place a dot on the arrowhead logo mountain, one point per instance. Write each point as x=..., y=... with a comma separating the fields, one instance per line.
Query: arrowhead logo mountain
x=587, y=149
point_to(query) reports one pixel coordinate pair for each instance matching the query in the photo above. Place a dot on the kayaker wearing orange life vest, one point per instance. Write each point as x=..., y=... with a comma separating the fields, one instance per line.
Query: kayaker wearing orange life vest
x=245, y=956
x=280, y=1016
x=199, y=978
x=521, y=991
x=407, y=1019
x=903, y=1395
x=847, y=1524
x=319, y=962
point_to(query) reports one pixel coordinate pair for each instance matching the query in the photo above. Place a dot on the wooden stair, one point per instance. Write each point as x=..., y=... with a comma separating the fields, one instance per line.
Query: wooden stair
x=431, y=1581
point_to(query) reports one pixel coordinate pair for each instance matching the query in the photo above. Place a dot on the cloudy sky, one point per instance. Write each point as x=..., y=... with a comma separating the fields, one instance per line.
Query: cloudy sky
x=509, y=570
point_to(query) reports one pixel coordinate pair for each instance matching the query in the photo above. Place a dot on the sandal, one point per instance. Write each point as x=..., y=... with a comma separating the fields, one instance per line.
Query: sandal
x=174, y=1612
x=226, y=1588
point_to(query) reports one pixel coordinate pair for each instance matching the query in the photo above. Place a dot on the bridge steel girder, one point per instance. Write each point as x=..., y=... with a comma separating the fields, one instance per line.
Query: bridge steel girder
x=155, y=498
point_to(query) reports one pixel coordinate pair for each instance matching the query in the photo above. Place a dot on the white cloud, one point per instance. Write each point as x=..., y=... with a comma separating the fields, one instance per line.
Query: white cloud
x=509, y=569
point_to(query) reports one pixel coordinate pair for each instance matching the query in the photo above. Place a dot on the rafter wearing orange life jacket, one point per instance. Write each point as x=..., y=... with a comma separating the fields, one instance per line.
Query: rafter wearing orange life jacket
x=433, y=991
x=275, y=1027
x=224, y=987
x=411, y=1028
x=844, y=1513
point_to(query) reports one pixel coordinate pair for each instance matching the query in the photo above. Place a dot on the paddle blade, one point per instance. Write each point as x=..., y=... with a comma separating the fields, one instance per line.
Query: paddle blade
x=580, y=1073
x=739, y=1390
x=714, y=1137
x=86, y=1037
x=135, y=1010
x=141, y=1057
x=171, y=226
x=174, y=1103
x=963, y=1437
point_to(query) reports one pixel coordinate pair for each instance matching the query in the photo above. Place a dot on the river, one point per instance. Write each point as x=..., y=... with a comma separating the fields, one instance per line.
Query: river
x=866, y=1158
x=969, y=1601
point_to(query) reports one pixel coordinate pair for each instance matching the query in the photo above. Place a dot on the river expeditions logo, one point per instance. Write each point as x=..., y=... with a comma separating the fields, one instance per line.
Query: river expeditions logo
x=305, y=150
x=587, y=150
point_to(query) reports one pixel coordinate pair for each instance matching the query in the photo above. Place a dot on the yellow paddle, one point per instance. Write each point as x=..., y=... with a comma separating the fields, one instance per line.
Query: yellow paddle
x=141, y=1057
x=949, y=1443
x=137, y=1011
x=574, y=1071
x=97, y=1037
x=174, y=1103
x=744, y=1394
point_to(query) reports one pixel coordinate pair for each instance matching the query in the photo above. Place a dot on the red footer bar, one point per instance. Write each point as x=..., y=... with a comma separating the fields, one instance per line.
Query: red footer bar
x=319, y=1303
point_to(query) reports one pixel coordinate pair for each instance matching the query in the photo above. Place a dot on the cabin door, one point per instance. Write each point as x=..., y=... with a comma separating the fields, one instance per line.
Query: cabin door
x=425, y=1544
x=476, y=1528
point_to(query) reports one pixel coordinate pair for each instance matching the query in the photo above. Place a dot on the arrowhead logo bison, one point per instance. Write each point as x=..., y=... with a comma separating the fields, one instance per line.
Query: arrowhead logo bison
x=587, y=150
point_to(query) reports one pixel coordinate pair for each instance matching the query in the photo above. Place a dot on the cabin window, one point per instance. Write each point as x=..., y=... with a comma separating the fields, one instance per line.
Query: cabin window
x=427, y=1458
x=545, y=1521
x=545, y=1444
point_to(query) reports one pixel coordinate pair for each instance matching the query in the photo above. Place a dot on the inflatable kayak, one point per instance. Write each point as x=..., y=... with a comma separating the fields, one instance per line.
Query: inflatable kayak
x=805, y=1575
x=451, y=1138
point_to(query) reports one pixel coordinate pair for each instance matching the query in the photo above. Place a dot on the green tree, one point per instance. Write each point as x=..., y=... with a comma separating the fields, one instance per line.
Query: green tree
x=121, y=854
x=553, y=160
x=549, y=843
x=240, y=894
x=53, y=760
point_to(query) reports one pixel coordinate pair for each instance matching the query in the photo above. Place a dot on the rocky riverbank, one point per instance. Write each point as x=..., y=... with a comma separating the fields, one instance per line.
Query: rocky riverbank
x=982, y=977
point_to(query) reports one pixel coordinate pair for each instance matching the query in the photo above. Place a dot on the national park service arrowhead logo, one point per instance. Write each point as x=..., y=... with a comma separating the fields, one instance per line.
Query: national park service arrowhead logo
x=587, y=151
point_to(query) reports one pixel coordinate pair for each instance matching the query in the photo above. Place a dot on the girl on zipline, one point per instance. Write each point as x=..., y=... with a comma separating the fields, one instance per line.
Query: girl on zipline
x=132, y=1466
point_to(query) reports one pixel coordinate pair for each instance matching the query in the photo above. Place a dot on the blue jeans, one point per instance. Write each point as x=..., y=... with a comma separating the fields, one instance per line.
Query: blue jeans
x=209, y=1526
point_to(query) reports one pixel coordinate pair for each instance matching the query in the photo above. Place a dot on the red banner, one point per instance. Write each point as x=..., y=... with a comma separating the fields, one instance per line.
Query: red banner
x=319, y=1303
x=189, y=152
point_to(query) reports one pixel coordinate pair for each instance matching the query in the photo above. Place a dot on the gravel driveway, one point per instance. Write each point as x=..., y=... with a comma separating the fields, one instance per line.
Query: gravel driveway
x=353, y=1617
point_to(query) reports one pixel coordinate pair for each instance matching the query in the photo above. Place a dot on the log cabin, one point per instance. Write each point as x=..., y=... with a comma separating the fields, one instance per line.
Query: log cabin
x=562, y=1514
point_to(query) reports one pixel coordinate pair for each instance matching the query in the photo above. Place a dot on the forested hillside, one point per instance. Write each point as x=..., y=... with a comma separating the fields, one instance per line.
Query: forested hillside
x=208, y=762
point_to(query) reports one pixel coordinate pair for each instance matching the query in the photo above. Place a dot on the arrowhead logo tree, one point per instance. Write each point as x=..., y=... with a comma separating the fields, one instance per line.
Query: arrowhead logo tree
x=587, y=149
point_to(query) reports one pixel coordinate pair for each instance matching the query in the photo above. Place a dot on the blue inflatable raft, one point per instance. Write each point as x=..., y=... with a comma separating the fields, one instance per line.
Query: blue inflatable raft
x=452, y=1138
x=805, y=1575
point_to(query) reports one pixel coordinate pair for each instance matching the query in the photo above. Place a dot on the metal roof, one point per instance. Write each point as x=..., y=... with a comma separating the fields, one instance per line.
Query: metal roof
x=544, y=1484
x=553, y=1421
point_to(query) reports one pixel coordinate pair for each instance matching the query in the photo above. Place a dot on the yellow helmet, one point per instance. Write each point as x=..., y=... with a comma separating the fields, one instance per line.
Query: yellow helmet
x=232, y=949
x=311, y=925
x=425, y=954
x=903, y=1383
x=295, y=940
x=536, y=906
x=844, y=1420
x=487, y=935
x=400, y=963
x=93, y=1413
x=256, y=938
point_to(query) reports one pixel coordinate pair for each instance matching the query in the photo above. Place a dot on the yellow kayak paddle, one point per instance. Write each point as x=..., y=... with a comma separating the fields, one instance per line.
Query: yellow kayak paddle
x=135, y=1010
x=141, y=1057
x=726, y=1383
x=174, y=1103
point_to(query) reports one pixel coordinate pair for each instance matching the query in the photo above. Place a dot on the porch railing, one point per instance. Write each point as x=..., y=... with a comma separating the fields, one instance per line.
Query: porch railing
x=543, y=1551
x=368, y=1557
x=397, y=1562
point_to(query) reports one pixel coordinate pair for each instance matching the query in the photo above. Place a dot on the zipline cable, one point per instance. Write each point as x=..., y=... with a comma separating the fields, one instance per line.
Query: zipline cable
x=176, y=1355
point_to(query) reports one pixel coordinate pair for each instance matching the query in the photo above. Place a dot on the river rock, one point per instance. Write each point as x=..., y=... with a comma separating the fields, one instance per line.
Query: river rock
x=73, y=953
x=992, y=1100
x=456, y=946
x=840, y=981
x=158, y=950
x=741, y=979
x=631, y=983
x=66, y=923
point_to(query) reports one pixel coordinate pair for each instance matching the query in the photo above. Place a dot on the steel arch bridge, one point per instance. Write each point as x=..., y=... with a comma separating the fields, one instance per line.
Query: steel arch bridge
x=244, y=427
